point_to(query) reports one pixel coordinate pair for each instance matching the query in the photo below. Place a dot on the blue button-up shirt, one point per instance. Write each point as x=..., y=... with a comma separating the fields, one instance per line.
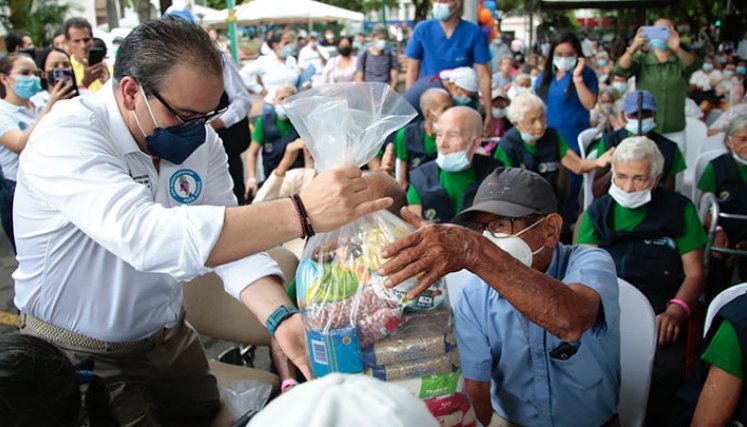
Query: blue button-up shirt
x=528, y=387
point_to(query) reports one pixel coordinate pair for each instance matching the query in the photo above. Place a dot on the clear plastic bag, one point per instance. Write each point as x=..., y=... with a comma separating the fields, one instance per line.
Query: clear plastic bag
x=244, y=395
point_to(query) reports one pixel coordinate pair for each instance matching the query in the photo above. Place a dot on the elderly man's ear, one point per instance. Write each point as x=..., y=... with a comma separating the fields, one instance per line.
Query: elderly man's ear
x=552, y=227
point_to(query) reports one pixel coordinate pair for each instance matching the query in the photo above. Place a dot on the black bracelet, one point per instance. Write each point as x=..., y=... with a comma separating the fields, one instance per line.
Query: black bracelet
x=301, y=219
x=307, y=222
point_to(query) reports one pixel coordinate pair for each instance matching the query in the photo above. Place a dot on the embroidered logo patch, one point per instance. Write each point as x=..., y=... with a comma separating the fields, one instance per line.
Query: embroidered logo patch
x=185, y=186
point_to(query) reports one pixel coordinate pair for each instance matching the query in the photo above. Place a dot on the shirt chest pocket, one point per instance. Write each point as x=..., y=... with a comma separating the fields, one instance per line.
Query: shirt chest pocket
x=580, y=371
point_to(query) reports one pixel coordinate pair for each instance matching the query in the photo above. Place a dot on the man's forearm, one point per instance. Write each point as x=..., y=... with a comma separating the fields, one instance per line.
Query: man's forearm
x=626, y=60
x=413, y=69
x=686, y=57
x=565, y=311
x=479, y=393
x=264, y=296
x=254, y=228
x=483, y=72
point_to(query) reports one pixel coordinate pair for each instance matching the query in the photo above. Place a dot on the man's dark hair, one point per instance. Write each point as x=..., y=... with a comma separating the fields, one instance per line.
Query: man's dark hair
x=155, y=47
x=14, y=40
x=77, y=23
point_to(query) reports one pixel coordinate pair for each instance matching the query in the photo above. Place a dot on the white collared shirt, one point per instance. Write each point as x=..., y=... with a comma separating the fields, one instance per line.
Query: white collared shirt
x=103, y=239
x=273, y=73
x=13, y=117
x=240, y=104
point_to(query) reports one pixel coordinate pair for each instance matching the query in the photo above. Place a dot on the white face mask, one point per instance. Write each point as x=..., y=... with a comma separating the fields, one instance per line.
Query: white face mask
x=564, y=64
x=515, y=246
x=454, y=162
x=739, y=159
x=499, y=113
x=647, y=125
x=620, y=86
x=632, y=200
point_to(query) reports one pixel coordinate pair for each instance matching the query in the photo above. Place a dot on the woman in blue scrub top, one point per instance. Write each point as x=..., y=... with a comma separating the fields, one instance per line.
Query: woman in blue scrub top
x=569, y=89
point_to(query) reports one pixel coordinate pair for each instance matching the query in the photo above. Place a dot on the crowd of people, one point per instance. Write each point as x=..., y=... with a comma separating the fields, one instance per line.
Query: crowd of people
x=131, y=185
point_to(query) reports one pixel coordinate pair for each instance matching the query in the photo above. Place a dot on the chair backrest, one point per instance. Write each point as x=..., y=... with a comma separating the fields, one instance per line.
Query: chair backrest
x=637, y=347
x=585, y=138
x=703, y=159
x=713, y=143
x=721, y=300
x=589, y=183
x=696, y=133
x=214, y=313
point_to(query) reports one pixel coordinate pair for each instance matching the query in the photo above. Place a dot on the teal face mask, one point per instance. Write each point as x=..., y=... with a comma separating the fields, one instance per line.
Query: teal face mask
x=27, y=86
x=659, y=44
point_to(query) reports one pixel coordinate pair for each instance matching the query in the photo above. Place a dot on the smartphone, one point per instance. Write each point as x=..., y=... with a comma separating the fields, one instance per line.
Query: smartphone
x=656, y=32
x=65, y=74
x=95, y=55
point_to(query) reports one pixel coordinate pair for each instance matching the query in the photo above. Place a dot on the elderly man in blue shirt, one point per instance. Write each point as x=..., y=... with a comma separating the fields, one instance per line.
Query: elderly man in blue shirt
x=538, y=324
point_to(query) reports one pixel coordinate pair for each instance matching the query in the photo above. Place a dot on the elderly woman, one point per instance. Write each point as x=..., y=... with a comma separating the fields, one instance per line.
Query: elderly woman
x=530, y=144
x=726, y=176
x=656, y=239
x=605, y=116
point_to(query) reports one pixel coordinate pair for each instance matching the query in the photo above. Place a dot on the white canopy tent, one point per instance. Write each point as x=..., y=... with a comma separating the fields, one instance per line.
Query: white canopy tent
x=259, y=12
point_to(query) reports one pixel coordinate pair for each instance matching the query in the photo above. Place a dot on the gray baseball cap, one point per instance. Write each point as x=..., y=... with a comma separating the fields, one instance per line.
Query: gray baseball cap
x=512, y=193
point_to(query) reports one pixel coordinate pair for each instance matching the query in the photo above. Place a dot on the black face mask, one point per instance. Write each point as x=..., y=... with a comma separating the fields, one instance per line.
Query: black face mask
x=345, y=51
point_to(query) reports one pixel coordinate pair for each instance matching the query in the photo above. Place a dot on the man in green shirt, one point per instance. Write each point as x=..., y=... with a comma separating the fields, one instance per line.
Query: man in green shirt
x=665, y=72
x=656, y=239
x=440, y=189
x=415, y=144
x=272, y=133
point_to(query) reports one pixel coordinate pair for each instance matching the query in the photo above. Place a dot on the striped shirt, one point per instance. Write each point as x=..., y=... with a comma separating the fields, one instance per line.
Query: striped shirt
x=377, y=68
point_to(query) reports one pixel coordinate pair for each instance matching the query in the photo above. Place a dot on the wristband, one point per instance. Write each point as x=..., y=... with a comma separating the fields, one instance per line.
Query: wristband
x=300, y=218
x=290, y=382
x=251, y=180
x=305, y=220
x=683, y=305
x=277, y=317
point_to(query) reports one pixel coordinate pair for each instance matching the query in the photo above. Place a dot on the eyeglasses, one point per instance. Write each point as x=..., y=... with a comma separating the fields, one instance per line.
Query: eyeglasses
x=207, y=118
x=503, y=225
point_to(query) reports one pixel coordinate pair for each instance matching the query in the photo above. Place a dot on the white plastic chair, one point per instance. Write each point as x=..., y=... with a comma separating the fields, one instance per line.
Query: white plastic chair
x=696, y=134
x=585, y=138
x=721, y=300
x=713, y=142
x=637, y=347
x=589, y=183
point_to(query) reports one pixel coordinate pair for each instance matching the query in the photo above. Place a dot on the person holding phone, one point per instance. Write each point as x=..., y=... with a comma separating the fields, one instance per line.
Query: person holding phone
x=664, y=71
x=91, y=71
x=19, y=82
x=56, y=71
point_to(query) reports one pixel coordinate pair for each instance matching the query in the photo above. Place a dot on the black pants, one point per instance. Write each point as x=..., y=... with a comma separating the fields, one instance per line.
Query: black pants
x=666, y=378
x=7, y=191
x=236, y=140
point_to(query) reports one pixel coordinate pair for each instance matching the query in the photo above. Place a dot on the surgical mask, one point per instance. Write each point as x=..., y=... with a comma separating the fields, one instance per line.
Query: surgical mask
x=498, y=41
x=564, y=64
x=442, y=11
x=461, y=99
x=741, y=70
x=620, y=86
x=515, y=246
x=601, y=62
x=707, y=67
x=521, y=89
x=454, y=162
x=380, y=44
x=280, y=112
x=632, y=200
x=647, y=125
x=357, y=45
x=659, y=44
x=739, y=159
x=174, y=143
x=329, y=37
x=499, y=113
x=728, y=73
x=27, y=86
x=286, y=52
x=526, y=136
x=721, y=59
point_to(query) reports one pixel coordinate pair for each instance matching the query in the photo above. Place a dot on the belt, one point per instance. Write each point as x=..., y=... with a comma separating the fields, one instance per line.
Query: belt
x=57, y=335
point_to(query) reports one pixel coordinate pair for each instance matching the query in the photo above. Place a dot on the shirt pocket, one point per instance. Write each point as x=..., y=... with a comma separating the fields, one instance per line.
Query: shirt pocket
x=580, y=371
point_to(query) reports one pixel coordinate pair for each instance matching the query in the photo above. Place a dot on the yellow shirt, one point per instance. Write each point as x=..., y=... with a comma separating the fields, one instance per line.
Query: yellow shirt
x=80, y=70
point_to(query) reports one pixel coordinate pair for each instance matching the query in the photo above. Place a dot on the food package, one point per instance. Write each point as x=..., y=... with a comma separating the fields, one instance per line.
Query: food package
x=447, y=362
x=439, y=385
x=452, y=411
x=343, y=301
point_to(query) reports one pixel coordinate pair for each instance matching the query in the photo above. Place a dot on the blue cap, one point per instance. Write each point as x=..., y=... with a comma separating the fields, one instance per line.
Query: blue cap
x=313, y=35
x=180, y=11
x=630, y=103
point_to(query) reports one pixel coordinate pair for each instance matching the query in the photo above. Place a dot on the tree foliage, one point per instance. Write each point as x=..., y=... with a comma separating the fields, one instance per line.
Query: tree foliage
x=40, y=18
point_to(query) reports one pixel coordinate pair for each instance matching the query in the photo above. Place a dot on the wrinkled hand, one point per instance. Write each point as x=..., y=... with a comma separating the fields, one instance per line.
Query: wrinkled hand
x=668, y=324
x=720, y=240
x=250, y=189
x=579, y=70
x=674, y=40
x=605, y=159
x=292, y=339
x=339, y=196
x=433, y=250
x=639, y=40
x=388, y=159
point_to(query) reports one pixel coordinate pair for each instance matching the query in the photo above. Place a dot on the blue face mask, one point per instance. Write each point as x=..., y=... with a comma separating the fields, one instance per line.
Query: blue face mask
x=461, y=99
x=174, y=143
x=380, y=44
x=601, y=62
x=659, y=44
x=442, y=11
x=27, y=86
x=721, y=59
x=453, y=162
x=728, y=73
x=286, y=52
x=280, y=111
x=647, y=125
x=527, y=137
x=741, y=70
x=707, y=67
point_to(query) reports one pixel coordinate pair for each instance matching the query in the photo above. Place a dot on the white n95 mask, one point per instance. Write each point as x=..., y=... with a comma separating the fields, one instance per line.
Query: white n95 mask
x=514, y=245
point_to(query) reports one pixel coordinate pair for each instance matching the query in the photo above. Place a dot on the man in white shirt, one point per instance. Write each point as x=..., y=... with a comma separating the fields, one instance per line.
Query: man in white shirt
x=313, y=55
x=122, y=196
x=742, y=47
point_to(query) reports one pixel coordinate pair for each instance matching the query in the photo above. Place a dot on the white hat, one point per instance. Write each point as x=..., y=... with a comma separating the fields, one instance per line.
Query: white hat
x=345, y=400
x=464, y=77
